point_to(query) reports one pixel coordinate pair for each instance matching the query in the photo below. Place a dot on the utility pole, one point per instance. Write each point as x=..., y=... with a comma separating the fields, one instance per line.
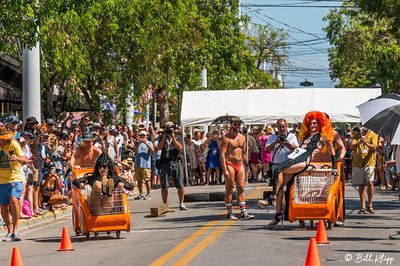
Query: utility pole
x=31, y=100
x=131, y=108
x=204, y=77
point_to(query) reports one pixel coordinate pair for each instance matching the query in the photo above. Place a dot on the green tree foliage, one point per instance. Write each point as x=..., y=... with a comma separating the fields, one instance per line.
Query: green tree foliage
x=364, y=50
x=94, y=51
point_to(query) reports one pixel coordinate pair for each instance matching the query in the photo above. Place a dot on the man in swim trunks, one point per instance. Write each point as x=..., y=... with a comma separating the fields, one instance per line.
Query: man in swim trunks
x=86, y=155
x=232, y=153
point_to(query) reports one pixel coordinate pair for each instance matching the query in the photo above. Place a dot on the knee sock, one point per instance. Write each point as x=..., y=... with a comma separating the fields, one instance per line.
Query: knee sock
x=228, y=207
x=242, y=206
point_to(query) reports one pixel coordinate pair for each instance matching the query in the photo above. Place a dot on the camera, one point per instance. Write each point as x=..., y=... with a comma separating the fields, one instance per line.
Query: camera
x=168, y=130
x=282, y=138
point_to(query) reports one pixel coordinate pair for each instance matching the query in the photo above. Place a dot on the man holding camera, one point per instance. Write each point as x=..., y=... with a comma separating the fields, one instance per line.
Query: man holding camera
x=281, y=144
x=171, y=163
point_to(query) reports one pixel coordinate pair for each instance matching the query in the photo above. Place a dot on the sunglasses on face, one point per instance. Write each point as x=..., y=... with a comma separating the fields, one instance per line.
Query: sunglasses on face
x=103, y=166
x=236, y=124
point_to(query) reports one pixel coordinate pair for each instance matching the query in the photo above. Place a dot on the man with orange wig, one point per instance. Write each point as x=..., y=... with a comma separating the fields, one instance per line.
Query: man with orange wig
x=316, y=132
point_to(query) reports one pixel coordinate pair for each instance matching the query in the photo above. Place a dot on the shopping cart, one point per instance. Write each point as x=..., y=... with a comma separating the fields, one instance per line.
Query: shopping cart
x=316, y=194
x=99, y=214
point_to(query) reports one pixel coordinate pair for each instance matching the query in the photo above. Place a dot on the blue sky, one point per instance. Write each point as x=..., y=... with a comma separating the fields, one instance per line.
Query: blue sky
x=307, y=60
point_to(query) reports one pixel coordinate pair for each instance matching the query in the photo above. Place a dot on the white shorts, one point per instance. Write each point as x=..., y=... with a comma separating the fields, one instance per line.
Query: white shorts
x=361, y=176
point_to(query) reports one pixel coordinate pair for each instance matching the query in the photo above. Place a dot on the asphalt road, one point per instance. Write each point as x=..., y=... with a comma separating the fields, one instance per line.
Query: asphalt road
x=202, y=236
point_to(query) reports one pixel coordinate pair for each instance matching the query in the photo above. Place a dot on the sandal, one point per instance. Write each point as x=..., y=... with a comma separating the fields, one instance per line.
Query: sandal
x=277, y=218
x=362, y=211
x=371, y=210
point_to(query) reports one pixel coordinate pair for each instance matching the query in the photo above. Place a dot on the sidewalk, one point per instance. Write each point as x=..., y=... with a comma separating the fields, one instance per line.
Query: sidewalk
x=49, y=217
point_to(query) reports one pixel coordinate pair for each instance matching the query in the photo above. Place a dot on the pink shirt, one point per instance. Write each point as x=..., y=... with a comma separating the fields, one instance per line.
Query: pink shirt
x=266, y=156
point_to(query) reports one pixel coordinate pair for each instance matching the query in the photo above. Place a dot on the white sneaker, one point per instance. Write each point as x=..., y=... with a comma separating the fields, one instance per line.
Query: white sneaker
x=7, y=238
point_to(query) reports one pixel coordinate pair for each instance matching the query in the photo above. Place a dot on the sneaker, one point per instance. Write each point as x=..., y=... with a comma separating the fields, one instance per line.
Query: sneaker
x=147, y=197
x=104, y=185
x=139, y=197
x=246, y=216
x=15, y=236
x=339, y=224
x=110, y=187
x=183, y=207
x=232, y=217
x=8, y=238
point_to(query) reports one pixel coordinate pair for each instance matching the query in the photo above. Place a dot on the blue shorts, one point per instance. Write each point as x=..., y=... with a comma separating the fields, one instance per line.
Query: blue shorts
x=8, y=190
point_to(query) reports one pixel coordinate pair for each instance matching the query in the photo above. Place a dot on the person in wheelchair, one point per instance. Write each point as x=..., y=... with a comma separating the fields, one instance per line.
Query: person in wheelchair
x=103, y=181
x=316, y=132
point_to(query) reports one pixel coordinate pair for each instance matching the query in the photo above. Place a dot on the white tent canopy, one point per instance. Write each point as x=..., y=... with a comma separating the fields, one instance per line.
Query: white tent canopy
x=267, y=105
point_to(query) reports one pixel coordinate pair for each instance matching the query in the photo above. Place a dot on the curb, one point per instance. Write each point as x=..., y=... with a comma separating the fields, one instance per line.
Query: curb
x=42, y=219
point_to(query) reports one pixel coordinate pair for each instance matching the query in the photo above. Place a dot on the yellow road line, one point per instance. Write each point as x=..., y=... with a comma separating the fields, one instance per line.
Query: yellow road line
x=204, y=243
x=196, y=250
x=173, y=252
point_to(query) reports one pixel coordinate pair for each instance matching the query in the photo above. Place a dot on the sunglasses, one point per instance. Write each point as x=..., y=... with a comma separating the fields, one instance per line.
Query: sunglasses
x=103, y=166
x=236, y=124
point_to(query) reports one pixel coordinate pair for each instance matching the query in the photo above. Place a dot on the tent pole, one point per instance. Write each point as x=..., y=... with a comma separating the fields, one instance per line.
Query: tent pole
x=247, y=154
x=184, y=158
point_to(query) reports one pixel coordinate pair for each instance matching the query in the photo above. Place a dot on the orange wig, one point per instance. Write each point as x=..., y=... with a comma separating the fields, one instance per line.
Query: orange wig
x=326, y=132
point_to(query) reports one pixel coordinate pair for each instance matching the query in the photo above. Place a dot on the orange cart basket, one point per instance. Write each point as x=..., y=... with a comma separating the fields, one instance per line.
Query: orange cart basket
x=88, y=217
x=318, y=195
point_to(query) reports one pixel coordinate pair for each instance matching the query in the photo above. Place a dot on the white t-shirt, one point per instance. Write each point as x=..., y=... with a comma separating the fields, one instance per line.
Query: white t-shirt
x=281, y=151
x=397, y=158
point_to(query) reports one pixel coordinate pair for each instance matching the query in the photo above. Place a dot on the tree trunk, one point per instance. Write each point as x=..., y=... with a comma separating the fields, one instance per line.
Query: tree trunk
x=163, y=106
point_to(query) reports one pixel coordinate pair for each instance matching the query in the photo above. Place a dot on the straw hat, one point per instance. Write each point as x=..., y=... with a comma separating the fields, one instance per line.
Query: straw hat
x=127, y=162
x=5, y=133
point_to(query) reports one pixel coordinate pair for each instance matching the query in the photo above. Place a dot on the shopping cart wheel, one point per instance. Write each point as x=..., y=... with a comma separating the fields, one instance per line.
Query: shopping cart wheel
x=96, y=236
x=87, y=236
x=330, y=225
x=118, y=234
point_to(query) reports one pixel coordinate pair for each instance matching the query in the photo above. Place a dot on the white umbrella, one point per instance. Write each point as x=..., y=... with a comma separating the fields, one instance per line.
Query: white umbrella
x=382, y=115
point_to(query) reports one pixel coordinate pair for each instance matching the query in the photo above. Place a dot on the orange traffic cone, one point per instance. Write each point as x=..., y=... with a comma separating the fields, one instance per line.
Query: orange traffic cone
x=66, y=244
x=321, y=237
x=312, y=254
x=16, y=257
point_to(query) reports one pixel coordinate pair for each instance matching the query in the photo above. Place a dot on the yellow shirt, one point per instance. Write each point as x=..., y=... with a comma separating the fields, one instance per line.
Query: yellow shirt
x=10, y=171
x=363, y=156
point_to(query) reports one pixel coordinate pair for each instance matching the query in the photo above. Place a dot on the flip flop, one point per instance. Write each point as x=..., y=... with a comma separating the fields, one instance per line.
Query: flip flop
x=362, y=211
x=371, y=210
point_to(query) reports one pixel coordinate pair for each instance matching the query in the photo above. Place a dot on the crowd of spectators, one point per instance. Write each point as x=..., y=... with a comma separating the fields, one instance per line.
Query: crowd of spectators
x=54, y=148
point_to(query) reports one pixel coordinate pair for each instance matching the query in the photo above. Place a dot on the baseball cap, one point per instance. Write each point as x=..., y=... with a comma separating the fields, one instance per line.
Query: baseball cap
x=169, y=124
x=12, y=119
x=87, y=136
x=50, y=121
x=32, y=120
x=141, y=125
x=96, y=125
x=142, y=132
x=27, y=134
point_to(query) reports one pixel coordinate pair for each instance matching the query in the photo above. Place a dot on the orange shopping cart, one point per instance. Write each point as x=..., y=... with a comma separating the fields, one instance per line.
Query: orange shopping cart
x=316, y=194
x=100, y=214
